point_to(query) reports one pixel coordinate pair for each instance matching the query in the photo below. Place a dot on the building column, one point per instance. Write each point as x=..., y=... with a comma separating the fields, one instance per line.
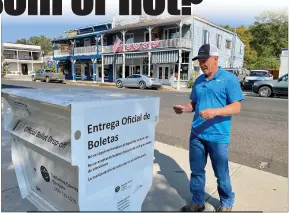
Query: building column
x=17, y=60
x=150, y=47
x=102, y=61
x=73, y=46
x=180, y=59
x=123, y=42
x=56, y=66
x=95, y=73
x=73, y=70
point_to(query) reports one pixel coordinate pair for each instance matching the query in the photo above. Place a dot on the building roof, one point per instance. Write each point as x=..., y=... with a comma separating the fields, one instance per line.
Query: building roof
x=7, y=45
x=90, y=26
x=146, y=23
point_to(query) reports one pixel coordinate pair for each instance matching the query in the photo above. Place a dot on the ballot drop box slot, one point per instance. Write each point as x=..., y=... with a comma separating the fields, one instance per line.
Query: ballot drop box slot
x=81, y=149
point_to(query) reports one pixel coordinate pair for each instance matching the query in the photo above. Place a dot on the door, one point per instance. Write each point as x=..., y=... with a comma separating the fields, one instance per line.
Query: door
x=39, y=75
x=164, y=74
x=282, y=85
x=24, y=68
x=130, y=81
x=87, y=42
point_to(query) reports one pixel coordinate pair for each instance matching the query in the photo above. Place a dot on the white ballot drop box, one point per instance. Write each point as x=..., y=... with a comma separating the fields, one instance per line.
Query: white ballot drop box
x=81, y=149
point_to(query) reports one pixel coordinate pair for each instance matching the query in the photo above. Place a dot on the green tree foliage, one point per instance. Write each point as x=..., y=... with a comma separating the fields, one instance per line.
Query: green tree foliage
x=41, y=40
x=264, y=39
x=270, y=33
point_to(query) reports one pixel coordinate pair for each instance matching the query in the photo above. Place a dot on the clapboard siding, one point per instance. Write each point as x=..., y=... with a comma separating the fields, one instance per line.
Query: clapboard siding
x=224, y=53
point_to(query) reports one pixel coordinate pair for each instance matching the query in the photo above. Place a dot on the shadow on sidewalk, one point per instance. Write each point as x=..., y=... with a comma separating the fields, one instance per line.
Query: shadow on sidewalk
x=163, y=193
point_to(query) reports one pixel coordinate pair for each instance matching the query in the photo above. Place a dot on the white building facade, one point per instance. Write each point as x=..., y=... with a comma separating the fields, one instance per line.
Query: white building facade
x=164, y=46
x=22, y=59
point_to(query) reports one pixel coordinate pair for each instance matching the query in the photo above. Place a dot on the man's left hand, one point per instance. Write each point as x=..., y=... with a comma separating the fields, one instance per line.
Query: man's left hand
x=208, y=114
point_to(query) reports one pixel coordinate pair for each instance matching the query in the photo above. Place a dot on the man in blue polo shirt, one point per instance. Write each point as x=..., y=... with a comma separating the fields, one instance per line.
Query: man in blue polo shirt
x=215, y=97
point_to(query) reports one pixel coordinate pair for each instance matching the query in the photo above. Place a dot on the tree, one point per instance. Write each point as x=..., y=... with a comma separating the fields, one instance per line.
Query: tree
x=41, y=40
x=250, y=55
x=270, y=33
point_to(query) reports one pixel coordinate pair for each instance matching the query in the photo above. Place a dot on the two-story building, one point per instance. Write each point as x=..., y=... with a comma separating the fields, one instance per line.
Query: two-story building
x=22, y=59
x=78, y=54
x=162, y=46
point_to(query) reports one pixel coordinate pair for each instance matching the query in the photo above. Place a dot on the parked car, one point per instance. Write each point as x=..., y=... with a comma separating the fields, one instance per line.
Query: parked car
x=256, y=75
x=239, y=72
x=139, y=81
x=272, y=87
x=48, y=76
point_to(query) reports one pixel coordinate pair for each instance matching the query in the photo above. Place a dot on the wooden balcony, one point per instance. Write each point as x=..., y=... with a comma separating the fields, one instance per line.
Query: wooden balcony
x=145, y=46
x=88, y=50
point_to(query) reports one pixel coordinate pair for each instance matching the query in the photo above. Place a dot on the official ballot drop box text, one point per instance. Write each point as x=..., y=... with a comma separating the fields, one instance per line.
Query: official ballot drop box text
x=81, y=149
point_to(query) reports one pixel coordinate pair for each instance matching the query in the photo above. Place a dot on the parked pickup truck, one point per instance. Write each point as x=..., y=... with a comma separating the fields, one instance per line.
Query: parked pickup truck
x=47, y=75
x=256, y=75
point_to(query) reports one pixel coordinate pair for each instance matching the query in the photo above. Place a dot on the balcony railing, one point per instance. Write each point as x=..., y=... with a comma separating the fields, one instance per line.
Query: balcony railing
x=88, y=50
x=10, y=56
x=24, y=57
x=59, y=53
x=79, y=51
x=145, y=46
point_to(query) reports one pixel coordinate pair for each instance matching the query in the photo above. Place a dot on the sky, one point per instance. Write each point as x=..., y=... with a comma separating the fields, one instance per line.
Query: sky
x=222, y=12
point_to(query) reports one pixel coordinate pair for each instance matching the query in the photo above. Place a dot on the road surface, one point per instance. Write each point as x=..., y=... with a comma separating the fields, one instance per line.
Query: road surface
x=259, y=134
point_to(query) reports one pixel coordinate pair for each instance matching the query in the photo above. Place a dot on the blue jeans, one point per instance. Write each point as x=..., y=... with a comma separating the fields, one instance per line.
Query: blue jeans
x=218, y=152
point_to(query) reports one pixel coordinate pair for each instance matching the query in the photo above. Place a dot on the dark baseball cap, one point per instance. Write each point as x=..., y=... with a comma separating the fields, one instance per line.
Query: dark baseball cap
x=206, y=51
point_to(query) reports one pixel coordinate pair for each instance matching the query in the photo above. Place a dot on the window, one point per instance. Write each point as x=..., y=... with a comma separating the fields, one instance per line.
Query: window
x=172, y=33
x=129, y=38
x=205, y=37
x=104, y=41
x=284, y=78
x=228, y=44
x=185, y=57
x=219, y=41
x=240, y=49
x=154, y=36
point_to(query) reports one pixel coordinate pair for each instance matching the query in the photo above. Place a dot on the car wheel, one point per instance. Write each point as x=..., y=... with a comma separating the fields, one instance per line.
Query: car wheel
x=119, y=84
x=33, y=78
x=265, y=91
x=142, y=85
x=47, y=79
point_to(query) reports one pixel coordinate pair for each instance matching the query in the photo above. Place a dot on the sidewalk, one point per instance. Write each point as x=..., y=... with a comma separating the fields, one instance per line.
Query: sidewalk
x=255, y=190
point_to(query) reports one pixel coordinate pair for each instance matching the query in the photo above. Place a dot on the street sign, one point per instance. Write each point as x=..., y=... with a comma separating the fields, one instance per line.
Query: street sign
x=72, y=151
x=50, y=63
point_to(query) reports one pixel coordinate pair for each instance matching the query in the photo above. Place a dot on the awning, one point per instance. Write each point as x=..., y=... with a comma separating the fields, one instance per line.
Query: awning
x=165, y=57
x=136, y=55
x=111, y=59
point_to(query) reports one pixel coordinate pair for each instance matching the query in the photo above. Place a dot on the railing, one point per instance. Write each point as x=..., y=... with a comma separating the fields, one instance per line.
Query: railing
x=59, y=53
x=10, y=56
x=78, y=51
x=24, y=57
x=145, y=46
x=89, y=50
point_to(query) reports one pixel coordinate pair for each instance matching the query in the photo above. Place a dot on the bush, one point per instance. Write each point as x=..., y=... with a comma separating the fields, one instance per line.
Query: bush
x=190, y=83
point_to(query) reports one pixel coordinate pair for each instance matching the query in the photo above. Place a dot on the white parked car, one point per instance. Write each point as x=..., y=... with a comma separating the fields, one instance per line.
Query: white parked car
x=139, y=81
x=256, y=75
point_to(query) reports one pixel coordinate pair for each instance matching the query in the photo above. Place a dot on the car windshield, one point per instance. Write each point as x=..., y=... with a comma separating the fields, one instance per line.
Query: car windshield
x=259, y=73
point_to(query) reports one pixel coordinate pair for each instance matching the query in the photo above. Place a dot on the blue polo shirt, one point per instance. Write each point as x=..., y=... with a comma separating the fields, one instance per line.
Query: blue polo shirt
x=220, y=91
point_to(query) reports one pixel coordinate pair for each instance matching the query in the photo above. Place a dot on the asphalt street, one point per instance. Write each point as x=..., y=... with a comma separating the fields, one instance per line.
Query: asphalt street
x=259, y=134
